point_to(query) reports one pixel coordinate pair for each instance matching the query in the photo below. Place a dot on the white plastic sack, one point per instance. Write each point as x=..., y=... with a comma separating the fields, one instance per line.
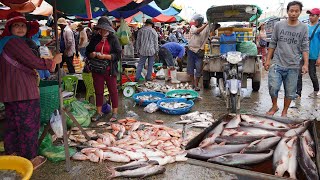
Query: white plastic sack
x=151, y=108
x=56, y=123
x=160, y=74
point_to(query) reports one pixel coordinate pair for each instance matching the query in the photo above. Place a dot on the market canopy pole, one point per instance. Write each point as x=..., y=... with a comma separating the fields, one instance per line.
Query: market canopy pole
x=64, y=124
x=88, y=8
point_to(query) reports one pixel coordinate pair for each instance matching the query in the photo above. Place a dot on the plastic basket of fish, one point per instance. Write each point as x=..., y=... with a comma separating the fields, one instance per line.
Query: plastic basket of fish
x=145, y=98
x=175, y=106
x=183, y=93
x=259, y=147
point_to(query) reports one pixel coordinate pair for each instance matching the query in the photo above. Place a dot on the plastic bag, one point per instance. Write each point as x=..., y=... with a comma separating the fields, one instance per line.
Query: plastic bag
x=160, y=74
x=132, y=114
x=56, y=123
x=56, y=153
x=124, y=33
x=80, y=113
x=45, y=52
x=151, y=108
x=249, y=48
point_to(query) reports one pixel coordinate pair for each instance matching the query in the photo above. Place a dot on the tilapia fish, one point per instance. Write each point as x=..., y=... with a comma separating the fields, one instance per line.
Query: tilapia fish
x=215, y=150
x=134, y=165
x=305, y=162
x=240, y=158
x=138, y=173
x=261, y=145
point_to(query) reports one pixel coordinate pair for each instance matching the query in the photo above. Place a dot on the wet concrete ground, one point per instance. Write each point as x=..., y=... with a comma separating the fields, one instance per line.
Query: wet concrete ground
x=258, y=103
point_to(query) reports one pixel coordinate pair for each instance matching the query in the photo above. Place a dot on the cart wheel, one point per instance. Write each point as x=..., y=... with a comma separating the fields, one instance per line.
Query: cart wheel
x=256, y=86
x=233, y=103
x=206, y=84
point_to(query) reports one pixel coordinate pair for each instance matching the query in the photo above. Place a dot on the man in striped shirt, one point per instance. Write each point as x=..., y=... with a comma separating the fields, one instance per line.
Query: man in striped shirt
x=147, y=47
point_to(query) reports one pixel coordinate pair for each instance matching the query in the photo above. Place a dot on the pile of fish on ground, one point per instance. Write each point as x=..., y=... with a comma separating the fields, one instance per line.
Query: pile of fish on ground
x=197, y=119
x=249, y=139
x=160, y=87
x=148, y=98
x=174, y=105
x=141, y=142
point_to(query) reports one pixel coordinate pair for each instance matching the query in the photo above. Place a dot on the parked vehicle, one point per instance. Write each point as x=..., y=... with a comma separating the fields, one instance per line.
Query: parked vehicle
x=213, y=63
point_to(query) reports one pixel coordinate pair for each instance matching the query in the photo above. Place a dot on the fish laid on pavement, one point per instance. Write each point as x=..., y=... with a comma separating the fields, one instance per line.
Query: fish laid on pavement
x=215, y=150
x=305, y=162
x=241, y=158
x=237, y=139
x=138, y=173
x=261, y=145
x=134, y=165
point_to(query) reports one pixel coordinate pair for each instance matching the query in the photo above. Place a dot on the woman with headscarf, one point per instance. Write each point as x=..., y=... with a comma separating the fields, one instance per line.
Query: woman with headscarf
x=105, y=46
x=19, y=87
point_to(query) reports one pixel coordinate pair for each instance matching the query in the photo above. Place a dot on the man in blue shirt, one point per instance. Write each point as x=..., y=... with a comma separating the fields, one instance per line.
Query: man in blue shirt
x=167, y=53
x=314, y=52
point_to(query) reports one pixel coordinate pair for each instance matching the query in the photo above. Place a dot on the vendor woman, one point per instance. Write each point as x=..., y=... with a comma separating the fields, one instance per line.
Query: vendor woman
x=19, y=87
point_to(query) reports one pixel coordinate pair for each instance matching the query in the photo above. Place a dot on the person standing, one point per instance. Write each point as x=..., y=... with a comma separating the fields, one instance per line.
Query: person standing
x=262, y=41
x=19, y=87
x=147, y=47
x=199, y=35
x=314, y=55
x=289, y=40
x=105, y=46
x=83, y=40
x=167, y=54
x=67, y=44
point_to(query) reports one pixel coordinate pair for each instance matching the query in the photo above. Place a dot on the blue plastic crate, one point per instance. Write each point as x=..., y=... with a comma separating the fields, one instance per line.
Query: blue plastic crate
x=176, y=111
x=145, y=103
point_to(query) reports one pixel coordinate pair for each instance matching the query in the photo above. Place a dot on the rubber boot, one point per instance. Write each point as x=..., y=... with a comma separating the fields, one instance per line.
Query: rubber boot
x=174, y=79
x=166, y=74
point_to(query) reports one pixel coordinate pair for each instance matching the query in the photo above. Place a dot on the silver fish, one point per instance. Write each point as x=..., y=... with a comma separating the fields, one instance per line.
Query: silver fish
x=310, y=146
x=261, y=132
x=214, y=150
x=261, y=145
x=262, y=120
x=212, y=135
x=305, y=162
x=201, y=124
x=135, y=165
x=299, y=130
x=234, y=123
x=237, y=139
x=264, y=126
x=139, y=173
x=239, y=158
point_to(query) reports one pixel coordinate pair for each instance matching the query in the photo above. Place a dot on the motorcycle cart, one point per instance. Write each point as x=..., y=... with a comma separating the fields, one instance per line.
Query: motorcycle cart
x=213, y=63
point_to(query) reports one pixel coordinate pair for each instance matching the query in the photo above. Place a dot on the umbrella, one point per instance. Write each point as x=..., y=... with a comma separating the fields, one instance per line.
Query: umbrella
x=170, y=11
x=163, y=4
x=167, y=19
x=147, y=9
x=139, y=17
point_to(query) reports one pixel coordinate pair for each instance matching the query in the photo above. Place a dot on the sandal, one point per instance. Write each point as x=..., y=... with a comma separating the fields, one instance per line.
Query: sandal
x=114, y=117
x=196, y=88
x=38, y=161
x=97, y=117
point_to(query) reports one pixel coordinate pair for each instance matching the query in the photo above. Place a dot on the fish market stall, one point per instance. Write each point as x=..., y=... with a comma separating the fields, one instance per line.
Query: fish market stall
x=258, y=147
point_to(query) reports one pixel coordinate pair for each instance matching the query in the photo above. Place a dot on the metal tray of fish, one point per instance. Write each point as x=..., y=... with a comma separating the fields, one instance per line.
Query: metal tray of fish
x=262, y=170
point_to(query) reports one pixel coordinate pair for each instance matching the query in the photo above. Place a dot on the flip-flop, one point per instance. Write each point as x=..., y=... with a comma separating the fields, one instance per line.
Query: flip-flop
x=270, y=114
x=114, y=118
x=38, y=161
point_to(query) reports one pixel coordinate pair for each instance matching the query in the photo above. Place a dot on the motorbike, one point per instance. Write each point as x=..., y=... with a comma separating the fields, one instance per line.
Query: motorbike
x=230, y=83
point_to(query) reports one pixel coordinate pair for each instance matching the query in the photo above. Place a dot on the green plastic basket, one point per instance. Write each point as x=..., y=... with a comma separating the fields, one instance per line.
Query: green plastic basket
x=49, y=99
x=175, y=93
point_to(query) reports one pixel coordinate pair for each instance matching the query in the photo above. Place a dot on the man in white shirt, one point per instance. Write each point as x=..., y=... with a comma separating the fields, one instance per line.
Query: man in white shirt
x=83, y=40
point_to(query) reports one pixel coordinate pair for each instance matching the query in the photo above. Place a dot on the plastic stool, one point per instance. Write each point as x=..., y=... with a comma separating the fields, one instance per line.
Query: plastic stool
x=128, y=71
x=88, y=82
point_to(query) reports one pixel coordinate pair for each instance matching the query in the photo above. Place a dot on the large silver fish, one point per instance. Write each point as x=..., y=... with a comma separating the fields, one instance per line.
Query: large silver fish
x=264, y=126
x=240, y=158
x=234, y=123
x=135, y=165
x=285, y=157
x=262, y=120
x=212, y=135
x=299, y=130
x=138, y=173
x=260, y=132
x=215, y=150
x=305, y=162
x=237, y=139
x=261, y=145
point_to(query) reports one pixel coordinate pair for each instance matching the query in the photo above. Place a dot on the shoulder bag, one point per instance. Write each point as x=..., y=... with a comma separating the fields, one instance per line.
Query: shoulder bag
x=314, y=31
x=98, y=65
